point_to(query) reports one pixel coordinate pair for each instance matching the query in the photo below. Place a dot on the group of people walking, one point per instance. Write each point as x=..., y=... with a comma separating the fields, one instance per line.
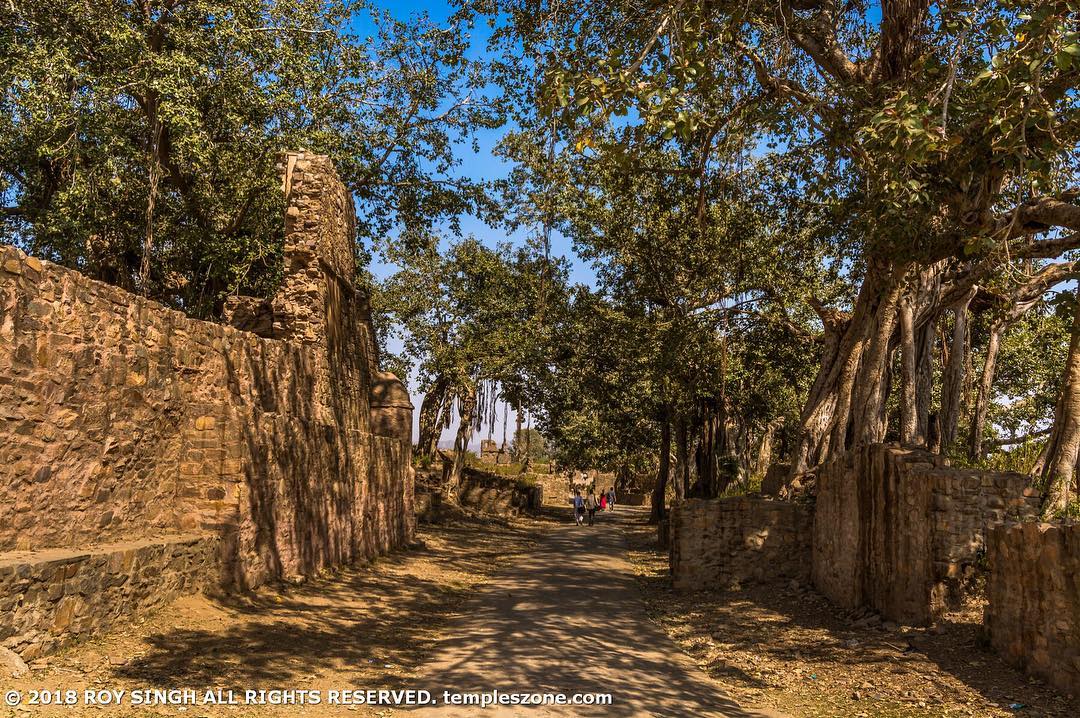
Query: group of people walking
x=590, y=504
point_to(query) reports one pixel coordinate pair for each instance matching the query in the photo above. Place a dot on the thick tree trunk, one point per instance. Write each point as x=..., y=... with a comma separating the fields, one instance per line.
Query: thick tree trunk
x=1064, y=447
x=909, y=422
x=431, y=411
x=712, y=445
x=845, y=402
x=821, y=400
x=982, y=397
x=467, y=415
x=764, y=454
x=682, y=447
x=658, y=513
x=517, y=434
x=873, y=378
x=952, y=383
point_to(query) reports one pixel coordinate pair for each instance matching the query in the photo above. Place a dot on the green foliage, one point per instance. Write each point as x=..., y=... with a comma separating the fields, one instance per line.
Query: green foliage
x=1029, y=372
x=1019, y=458
x=533, y=441
x=134, y=131
x=470, y=313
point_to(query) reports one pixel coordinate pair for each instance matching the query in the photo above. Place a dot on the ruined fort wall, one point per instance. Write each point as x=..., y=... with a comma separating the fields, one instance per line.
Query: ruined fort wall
x=123, y=421
x=1033, y=616
x=726, y=543
x=898, y=530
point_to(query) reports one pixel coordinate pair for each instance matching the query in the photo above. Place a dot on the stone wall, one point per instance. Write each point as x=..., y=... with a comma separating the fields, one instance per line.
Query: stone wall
x=724, y=543
x=1033, y=616
x=124, y=420
x=498, y=494
x=51, y=598
x=898, y=530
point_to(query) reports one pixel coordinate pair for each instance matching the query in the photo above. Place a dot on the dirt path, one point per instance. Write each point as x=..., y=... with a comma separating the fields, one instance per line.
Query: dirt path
x=366, y=627
x=568, y=617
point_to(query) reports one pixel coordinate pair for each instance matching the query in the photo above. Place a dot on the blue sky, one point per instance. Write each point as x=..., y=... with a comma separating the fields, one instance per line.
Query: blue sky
x=483, y=164
x=479, y=165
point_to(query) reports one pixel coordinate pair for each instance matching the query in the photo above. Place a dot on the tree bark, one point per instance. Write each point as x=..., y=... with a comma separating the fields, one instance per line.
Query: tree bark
x=982, y=397
x=431, y=411
x=663, y=474
x=1064, y=447
x=952, y=383
x=821, y=400
x=682, y=447
x=467, y=415
x=517, y=434
x=868, y=420
x=924, y=380
x=845, y=402
x=712, y=445
x=764, y=454
x=909, y=422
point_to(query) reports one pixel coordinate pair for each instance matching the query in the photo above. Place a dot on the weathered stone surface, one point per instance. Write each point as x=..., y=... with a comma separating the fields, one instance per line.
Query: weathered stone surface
x=898, y=530
x=11, y=665
x=775, y=479
x=391, y=408
x=725, y=543
x=1033, y=614
x=498, y=494
x=123, y=419
x=60, y=595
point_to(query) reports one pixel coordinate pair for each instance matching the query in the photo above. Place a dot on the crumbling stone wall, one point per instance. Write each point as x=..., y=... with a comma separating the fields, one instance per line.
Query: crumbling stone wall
x=124, y=420
x=498, y=494
x=896, y=529
x=724, y=543
x=1033, y=615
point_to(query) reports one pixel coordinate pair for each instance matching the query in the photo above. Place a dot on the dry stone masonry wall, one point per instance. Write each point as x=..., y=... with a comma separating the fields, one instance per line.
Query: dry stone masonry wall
x=897, y=530
x=1033, y=614
x=724, y=543
x=52, y=597
x=124, y=421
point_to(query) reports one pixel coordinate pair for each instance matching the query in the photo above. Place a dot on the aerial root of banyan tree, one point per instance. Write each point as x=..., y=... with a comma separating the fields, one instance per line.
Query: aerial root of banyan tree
x=900, y=308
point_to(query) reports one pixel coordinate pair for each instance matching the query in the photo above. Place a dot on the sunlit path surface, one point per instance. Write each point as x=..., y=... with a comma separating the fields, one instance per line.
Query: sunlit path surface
x=569, y=619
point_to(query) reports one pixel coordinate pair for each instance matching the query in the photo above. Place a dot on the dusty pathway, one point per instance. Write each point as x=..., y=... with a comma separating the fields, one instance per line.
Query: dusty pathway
x=568, y=618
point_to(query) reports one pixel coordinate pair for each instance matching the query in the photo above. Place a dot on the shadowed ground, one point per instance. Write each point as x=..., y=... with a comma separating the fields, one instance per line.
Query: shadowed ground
x=568, y=618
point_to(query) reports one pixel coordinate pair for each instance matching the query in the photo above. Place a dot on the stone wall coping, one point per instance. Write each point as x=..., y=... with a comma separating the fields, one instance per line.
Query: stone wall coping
x=389, y=392
x=135, y=299
x=65, y=555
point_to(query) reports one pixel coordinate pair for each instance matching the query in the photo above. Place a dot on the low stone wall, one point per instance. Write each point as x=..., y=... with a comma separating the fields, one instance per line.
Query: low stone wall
x=898, y=530
x=427, y=506
x=633, y=499
x=53, y=597
x=556, y=489
x=724, y=543
x=497, y=494
x=1033, y=616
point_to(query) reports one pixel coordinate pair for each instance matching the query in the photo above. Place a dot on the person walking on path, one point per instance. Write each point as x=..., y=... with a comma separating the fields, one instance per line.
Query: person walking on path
x=590, y=505
x=603, y=501
x=611, y=499
x=579, y=507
